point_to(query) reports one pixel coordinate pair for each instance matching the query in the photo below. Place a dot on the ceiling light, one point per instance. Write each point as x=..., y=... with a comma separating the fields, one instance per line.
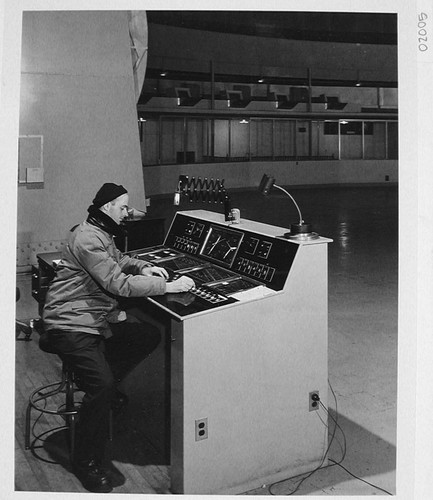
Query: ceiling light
x=358, y=80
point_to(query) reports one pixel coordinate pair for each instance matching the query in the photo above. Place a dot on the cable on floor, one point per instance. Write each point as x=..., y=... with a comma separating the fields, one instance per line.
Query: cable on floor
x=334, y=463
x=360, y=478
x=309, y=474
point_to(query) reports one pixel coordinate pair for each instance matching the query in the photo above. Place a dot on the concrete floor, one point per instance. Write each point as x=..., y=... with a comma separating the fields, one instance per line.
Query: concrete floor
x=363, y=280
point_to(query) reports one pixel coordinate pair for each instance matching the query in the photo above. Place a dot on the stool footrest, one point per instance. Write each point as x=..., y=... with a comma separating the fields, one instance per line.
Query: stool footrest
x=68, y=410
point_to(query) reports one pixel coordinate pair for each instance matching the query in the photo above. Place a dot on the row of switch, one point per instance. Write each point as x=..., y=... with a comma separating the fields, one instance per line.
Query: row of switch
x=251, y=268
x=186, y=245
x=212, y=297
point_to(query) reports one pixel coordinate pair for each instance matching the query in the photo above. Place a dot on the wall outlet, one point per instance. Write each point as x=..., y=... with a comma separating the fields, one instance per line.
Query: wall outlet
x=201, y=429
x=313, y=400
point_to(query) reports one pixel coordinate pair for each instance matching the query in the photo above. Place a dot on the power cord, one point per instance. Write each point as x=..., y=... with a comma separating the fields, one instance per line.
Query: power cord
x=359, y=478
x=309, y=474
x=343, y=449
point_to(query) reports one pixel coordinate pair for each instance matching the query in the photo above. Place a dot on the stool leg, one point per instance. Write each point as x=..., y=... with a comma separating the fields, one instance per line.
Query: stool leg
x=69, y=391
x=110, y=426
x=27, y=431
x=72, y=438
x=70, y=405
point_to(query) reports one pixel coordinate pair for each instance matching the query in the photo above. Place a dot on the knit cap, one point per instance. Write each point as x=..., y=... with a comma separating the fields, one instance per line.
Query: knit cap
x=108, y=192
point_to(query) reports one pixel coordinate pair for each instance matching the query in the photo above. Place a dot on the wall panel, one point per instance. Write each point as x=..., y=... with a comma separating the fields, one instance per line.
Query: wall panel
x=77, y=91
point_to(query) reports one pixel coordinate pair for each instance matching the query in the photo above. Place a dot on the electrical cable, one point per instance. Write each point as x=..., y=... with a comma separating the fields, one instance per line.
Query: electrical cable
x=360, y=479
x=309, y=474
x=335, y=420
x=343, y=447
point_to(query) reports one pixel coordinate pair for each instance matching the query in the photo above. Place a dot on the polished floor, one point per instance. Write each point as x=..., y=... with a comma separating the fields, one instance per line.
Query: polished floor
x=363, y=282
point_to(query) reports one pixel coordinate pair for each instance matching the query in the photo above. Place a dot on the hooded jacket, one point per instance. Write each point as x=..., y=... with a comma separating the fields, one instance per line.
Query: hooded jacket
x=91, y=275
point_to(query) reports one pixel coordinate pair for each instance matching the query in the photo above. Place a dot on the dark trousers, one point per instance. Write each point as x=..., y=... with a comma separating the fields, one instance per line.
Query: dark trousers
x=99, y=364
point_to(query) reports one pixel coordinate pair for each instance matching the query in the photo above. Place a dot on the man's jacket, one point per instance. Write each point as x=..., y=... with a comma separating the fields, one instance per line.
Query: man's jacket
x=90, y=276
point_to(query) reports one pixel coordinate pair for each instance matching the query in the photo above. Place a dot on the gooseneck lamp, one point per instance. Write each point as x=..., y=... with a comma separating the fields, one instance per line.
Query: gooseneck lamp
x=297, y=228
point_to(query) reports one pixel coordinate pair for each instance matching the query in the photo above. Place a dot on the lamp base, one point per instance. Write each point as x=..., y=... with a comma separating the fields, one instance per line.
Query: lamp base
x=300, y=228
x=301, y=232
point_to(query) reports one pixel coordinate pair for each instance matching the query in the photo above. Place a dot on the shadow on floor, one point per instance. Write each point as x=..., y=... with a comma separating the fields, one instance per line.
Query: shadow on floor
x=360, y=451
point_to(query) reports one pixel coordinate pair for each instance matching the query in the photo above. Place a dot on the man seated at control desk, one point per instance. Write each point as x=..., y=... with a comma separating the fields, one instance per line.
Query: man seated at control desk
x=83, y=324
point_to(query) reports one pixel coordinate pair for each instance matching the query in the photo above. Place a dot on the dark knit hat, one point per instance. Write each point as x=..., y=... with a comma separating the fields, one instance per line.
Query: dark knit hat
x=108, y=192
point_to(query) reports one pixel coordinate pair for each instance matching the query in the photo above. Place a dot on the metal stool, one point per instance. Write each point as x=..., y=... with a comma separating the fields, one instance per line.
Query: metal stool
x=43, y=400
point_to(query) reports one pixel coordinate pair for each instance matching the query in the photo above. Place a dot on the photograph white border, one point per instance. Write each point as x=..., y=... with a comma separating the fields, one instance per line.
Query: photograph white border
x=414, y=450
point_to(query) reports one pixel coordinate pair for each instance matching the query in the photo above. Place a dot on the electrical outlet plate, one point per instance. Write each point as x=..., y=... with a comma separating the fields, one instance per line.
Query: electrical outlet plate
x=201, y=429
x=312, y=404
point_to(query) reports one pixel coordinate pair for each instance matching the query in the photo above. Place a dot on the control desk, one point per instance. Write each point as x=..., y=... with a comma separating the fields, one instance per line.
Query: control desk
x=248, y=347
x=228, y=263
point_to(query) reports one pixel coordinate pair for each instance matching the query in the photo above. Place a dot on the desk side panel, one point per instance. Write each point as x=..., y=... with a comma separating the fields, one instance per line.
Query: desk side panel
x=249, y=370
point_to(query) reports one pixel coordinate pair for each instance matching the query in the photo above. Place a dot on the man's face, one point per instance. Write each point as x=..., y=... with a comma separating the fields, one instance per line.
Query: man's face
x=118, y=208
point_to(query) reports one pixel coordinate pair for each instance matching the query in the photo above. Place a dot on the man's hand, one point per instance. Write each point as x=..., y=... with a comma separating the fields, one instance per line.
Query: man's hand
x=155, y=271
x=182, y=284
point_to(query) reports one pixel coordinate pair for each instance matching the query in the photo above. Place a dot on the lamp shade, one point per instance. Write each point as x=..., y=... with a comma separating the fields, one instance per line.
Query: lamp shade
x=266, y=184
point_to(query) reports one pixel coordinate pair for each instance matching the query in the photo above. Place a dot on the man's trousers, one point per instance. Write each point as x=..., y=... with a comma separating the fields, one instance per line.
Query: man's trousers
x=98, y=365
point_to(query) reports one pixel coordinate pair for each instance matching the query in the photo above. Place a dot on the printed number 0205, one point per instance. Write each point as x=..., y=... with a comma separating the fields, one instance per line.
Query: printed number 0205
x=422, y=32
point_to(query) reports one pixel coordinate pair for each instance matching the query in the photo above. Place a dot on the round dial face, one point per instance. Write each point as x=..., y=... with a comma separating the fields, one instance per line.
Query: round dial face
x=222, y=246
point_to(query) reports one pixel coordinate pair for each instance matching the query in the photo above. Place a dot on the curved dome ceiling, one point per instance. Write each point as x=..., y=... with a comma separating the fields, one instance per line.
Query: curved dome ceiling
x=371, y=28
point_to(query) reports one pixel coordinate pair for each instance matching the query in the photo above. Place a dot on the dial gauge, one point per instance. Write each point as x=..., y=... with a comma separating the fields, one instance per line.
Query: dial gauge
x=221, y=245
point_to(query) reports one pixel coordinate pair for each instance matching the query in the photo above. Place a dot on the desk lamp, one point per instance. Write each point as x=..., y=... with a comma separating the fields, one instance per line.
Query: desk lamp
x=298, y=229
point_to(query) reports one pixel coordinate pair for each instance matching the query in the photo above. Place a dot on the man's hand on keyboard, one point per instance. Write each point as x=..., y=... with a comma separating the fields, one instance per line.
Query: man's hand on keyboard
x=182, y=284
x=155, y=271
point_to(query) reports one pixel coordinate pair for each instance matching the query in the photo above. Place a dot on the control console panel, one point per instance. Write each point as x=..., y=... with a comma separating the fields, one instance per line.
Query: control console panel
x=263, y=258
x=222, y=260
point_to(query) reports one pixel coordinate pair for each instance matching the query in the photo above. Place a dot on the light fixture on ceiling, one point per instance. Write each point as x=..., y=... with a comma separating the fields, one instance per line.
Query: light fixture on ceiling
x=261, y=80
x=358, y=82
x=243, y=121
x=163, y=73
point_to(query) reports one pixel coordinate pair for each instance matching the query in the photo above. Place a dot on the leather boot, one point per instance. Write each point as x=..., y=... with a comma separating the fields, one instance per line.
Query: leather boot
x=92, y=476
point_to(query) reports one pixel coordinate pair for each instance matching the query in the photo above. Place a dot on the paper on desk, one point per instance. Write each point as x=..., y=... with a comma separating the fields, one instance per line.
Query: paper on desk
x=253, y=293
